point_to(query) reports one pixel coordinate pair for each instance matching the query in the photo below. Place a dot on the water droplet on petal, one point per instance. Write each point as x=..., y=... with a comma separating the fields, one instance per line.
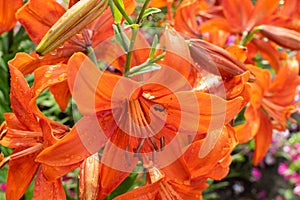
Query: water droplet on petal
x=48, y=74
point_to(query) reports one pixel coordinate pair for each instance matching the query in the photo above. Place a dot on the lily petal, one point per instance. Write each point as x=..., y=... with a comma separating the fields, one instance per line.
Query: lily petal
x=86, y=135
x=263, y=137
x=21, y=171
x=7, y=16
x=52, y=189
x=36, y=20
x=20, y=97
x=262, y=9
x=237, y=12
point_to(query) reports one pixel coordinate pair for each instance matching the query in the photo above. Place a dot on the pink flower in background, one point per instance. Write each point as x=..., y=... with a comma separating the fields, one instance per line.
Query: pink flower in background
x=2, y=186
x=256, y=174
x=283, y=168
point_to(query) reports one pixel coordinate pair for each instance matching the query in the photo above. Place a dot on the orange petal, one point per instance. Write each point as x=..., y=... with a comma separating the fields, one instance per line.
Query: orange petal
x=91, y=88
x=51, y=173
x=89, y=177
x=219, y=23
x=20, y=97
x=177, y=51
x=55, y=77
x=262, y=9
x=27, y=63
x=61, y=94
x=237, y=13
x=7, y=16
x=283, y=87
x=240, y=52
x=201, y=166
x=47, y=76
x=86, y=136
x=146, y=192
x=263, y=137
x=52, y=189
x=38, y=16
x=249, y=129
x=13, y=122
x=21, y=171
x=116, y=166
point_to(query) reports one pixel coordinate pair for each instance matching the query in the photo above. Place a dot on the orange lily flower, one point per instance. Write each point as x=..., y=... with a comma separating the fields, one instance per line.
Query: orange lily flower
x=7, y=15
x=191, y=14
x=271, y=104
x=134, y=122
x=37, y=22
x=186, y=178
x=28, y=133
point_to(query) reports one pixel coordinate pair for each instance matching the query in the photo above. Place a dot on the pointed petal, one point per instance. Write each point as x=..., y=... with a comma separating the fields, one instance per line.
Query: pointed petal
x=7, y=15
x=38, y=16
x=237, y=13
x=263, y=138
x=55, y=77
x=148, y=192
x=89, y=184
x=20, y=173
x=61, y=94
x=27, y=63
x=202, y=165
x=249, y=129
x=283, y=87
x=240, y=52
x=47, y=76
x=177, y=51
x=52, y=189
x=116, y=164
x=91, y=88
x=20, y=97
x=262, y=9
x=51, y=173
x=13, y=122
x=86, y=135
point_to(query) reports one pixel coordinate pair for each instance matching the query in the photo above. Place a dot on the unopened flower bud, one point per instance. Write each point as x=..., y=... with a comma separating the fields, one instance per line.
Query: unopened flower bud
x=216, y=60
x=284, y=37
x=74, y=20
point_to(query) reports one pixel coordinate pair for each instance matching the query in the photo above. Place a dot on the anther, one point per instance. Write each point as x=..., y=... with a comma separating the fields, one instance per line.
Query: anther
x=162, y=143
x=137, y=150
x=154, y=144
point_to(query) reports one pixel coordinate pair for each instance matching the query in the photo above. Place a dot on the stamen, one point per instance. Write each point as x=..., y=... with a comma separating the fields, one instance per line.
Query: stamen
x=154, y=144
x=2, y=135
x=140, y=145
x=127, y=156
x=162, y=143
x=153, y=156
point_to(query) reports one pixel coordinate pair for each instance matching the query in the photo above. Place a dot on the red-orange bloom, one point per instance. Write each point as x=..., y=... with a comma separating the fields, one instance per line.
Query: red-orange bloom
x=271, y=104
x=137, y=118
x=37, y=22
x=186, y=178
x=7, y=15
x=28, y=133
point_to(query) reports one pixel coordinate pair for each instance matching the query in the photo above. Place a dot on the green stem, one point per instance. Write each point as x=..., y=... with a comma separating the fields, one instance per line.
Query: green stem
x=142, y=11
x=145, y=64
x=129, y=53
x=122, y=37
x=122, y=11
x=247, y=37
x=91, y=54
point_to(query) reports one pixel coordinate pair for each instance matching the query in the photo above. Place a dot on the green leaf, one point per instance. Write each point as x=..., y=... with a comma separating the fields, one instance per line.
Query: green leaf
x=115, y=11
x=150, y=11
x=121, y=38
x=153, y=47
x=140, y=70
